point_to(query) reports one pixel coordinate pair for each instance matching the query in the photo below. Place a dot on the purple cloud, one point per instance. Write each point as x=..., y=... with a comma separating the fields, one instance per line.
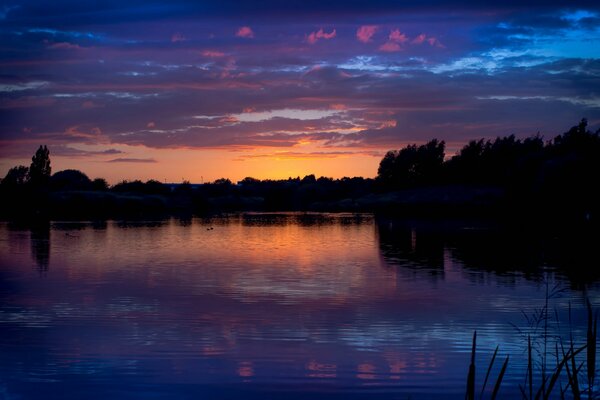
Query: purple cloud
x=366, y=32
x=314, y=37
x=391, y=75
x=132, y=160
x=245, y=32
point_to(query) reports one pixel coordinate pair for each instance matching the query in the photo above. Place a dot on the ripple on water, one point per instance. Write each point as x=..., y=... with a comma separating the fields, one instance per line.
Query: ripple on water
x=283, y=304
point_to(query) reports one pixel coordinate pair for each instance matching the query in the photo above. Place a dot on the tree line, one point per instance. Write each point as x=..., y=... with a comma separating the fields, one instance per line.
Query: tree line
x=557, y=177
x=572, y=159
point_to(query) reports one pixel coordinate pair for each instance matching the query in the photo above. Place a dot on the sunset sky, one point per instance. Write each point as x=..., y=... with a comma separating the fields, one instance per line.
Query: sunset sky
x=271, y=89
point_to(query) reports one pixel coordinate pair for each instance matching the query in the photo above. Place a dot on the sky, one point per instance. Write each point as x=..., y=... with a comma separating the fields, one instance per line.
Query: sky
x=187, y=90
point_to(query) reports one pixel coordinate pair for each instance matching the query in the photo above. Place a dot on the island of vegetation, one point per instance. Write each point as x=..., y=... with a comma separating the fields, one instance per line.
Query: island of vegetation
x=535, y=179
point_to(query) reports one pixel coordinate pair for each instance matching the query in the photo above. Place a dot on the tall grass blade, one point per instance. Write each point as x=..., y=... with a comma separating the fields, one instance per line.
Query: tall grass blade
x=538, y=394
x=573, y=380
x=559, y=367
x=487, y=375
x=470, y=395
x=569, y=376
x=530, y=367
x=592, y=330
x=499, y=381
x=523, y=391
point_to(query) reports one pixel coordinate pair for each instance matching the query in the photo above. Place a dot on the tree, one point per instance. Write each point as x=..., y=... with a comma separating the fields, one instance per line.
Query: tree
x=99, y=184
x=39, y=171
x=309, y=179
x=222, y=182
x=70, y=179
x=16, y=176
x=413, y=165
x=249, y=181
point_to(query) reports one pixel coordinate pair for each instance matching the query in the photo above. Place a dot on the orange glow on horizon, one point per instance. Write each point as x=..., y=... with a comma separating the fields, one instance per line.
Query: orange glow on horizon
x=207, y=165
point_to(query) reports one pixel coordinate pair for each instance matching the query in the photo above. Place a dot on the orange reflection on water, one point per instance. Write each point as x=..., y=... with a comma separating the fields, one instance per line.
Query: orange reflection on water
x=209, y=350
x=425, y=363
x=366, y=371
x=397, y=367
x=321, y=370
x=245, y=369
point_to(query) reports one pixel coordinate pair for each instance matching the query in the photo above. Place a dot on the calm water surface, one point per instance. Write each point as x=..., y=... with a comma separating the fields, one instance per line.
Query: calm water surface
x=271, y=306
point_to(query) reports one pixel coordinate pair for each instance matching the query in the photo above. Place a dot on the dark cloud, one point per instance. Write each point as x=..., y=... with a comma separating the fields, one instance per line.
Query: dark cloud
x=311, y=155
x=132, y=160
x=175, y=75
x=73, y=12
x=67, y=151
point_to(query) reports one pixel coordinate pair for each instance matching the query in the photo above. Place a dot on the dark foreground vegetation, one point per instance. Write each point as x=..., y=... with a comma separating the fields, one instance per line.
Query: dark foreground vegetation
x=558, y=366
x=531, y=178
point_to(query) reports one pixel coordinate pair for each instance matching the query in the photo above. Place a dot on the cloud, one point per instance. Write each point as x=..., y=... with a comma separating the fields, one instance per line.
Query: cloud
x=245, y=32
x=213, y=53
x=123, y=79
x=87, y=132
x=434, y=42
x=177, y=37
x=366, y=32
x=390, y=47
x=132, y=160
x=297, y=155
x=372, y=100
x=314, y=37
x=5, y=10
x=396, y=40
x=88, y=104
x=67, y=151
x=397, y=36
x=108, y=151
x=25, y=102
x=64, y=46
x=419, y=39
x=423, y=38
x=17, y=87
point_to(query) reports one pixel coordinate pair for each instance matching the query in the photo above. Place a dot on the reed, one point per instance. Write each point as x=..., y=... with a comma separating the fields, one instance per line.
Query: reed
x=499, y=380
x=566, y=363
x=487, y=375
x=470, y=395
x=470, y=392
x=592, y=330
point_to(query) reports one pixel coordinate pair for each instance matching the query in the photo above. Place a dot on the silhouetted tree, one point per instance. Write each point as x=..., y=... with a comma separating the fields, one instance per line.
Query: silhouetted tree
x=505, y=161
x=70, y=179
x=248, y=181
x=413, y=165
x=16, y=176
x=153, y=186
x=150, y=187
x=569, y=176
x=99, y=184
x=129, y=186
x=222, y=181
x=523, y=177
x=39, y=171
x=308, y=179
x=184, y=187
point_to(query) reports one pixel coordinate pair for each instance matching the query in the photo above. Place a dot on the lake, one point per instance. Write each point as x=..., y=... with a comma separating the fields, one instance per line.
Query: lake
x=294, y=306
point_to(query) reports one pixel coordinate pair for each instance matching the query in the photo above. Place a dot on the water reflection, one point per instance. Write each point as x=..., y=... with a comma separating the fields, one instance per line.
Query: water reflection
x=431, y=247
x=142, y=224
x=301, y=305
x=403, y=245
x=40, y=246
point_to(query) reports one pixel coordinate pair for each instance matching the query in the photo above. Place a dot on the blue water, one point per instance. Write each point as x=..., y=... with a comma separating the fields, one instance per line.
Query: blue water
x=261, y=306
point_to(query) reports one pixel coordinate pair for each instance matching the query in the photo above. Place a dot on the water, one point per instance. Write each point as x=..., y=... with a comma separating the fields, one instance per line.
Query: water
x=263, y=306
